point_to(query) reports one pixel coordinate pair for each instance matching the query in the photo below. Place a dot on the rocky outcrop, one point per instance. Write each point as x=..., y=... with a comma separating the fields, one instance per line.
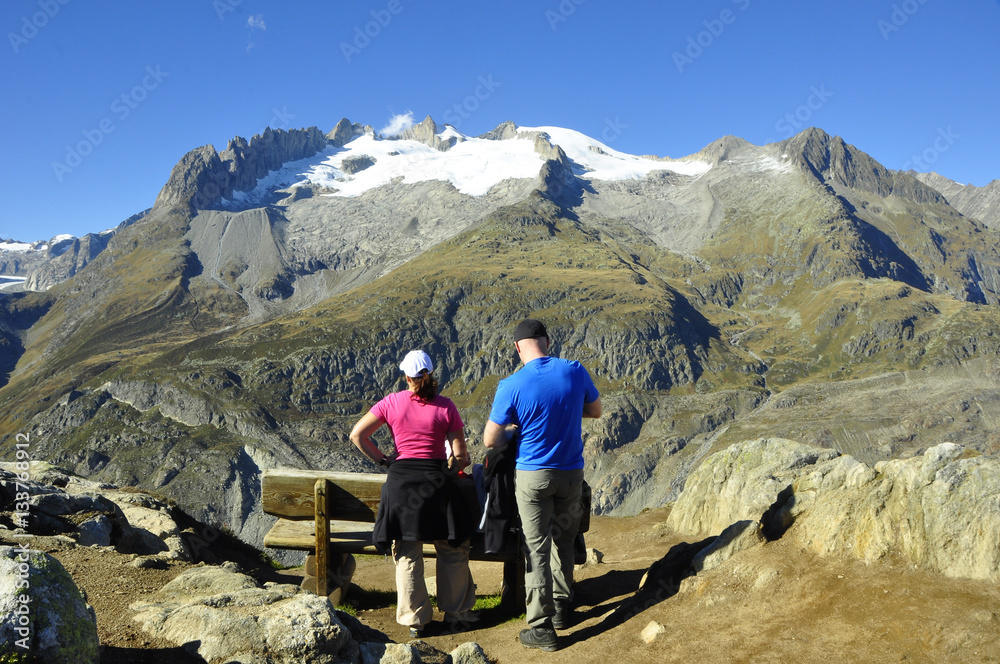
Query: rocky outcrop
x=982, y=203
x=224, y=616
x=353, y=165
x=834, y=161
x=940, y=510
x=345, y=131
x=426, y=132
x=43, y=614
x=95, y=514
x=502, y=132
x=203, y=177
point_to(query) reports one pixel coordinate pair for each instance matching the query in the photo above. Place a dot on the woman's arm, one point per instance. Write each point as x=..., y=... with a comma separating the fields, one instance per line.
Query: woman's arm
x=361, y=436
x=459, y=450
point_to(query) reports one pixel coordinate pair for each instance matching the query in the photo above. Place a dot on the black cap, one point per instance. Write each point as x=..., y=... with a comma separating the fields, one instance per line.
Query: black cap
x=529, y=328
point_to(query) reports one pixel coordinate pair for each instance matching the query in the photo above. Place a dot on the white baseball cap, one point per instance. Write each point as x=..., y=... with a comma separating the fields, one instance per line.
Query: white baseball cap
x=415, y=362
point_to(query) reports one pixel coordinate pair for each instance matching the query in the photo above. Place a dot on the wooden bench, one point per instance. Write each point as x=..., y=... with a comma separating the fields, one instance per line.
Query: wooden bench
x=332, y=514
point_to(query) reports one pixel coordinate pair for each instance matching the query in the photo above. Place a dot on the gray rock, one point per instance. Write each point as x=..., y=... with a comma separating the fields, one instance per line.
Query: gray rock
x=652, y=631
x=203, y=177
x=148, y=562
x=741, y=483
x=738, y=537
x=62, y=627
x=223, y=616
x=389, y=653
x=470, y=653
x=939, y=510
x=344, y=132
x=95, y=531
x=502, y=132
x=427, y=132
x=352, y=165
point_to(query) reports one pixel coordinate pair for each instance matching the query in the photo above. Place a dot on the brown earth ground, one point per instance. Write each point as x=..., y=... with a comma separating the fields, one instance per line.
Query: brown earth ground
x=778, y=603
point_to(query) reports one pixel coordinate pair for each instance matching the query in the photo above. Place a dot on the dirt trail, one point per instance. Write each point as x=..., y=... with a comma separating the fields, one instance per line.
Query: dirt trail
x=775, y=604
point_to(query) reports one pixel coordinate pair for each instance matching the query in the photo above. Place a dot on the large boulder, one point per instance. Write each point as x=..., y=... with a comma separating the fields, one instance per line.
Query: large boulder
x=58, y=626
x=223, y=616
x=939, y=510
x=741, y=482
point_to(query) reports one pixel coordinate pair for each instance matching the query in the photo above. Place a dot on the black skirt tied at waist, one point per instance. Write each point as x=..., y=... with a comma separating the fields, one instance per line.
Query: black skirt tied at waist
x=421, y=503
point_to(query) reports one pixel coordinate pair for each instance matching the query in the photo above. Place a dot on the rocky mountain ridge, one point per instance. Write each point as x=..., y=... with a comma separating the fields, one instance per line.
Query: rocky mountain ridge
x=982, y=203
x=736, y=289
x=38, y=266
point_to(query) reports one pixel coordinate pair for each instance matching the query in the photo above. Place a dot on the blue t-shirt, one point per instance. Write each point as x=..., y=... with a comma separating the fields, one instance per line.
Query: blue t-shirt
x=545, y=399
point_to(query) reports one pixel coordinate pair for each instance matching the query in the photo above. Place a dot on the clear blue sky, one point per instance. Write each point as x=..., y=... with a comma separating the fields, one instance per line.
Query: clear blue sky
x=135, y=85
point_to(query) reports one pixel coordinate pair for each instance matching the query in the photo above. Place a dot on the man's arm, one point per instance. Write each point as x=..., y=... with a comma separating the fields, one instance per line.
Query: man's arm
x=592, y=409
x=494, y=435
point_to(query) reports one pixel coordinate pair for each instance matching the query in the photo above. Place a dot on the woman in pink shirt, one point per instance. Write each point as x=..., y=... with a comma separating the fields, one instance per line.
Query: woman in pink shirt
x=419, y=501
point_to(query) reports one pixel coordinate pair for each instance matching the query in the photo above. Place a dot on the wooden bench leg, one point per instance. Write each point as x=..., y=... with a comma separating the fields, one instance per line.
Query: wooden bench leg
x=340, y=573
x=321, y=492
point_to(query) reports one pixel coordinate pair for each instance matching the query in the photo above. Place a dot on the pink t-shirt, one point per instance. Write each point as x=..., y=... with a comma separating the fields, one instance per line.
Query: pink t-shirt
x=419, y=429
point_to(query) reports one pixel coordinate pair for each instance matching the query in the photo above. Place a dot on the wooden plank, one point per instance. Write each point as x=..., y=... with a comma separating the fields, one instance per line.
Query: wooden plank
x=288, y=493
x=356, y=537
x=322, y=501
x=345, y=536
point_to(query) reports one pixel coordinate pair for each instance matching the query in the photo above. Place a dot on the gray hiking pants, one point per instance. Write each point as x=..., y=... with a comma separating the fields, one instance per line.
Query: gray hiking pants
x=549, y=503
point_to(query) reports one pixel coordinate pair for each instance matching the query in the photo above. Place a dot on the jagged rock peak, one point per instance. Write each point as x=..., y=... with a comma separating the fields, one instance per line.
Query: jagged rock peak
x=834, y=161
x=724, y=148
x=501, y=132
x=345, y=131
x=203, y=176
x=427, y=132
x=982, y=203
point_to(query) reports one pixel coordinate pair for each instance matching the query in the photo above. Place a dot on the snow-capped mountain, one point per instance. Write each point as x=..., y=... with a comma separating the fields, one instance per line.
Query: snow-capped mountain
x=265, y=299
x=39, y=265
x=471, y=165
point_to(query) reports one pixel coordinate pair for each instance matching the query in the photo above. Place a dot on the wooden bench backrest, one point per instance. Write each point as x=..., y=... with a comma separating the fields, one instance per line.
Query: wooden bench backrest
x=289, y=493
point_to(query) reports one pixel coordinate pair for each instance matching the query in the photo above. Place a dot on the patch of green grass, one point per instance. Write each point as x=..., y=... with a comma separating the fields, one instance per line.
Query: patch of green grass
x=487, y=602
x=267, y=560
x=348, y=609
x=16, y=657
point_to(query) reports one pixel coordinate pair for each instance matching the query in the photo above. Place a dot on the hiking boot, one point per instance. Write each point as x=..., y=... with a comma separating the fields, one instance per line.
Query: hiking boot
x=563, y=618
x=416, y=632
x=543, y=638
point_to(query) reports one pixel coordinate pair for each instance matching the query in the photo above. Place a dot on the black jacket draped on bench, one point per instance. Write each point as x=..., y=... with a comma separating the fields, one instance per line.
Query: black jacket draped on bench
x=421, y=503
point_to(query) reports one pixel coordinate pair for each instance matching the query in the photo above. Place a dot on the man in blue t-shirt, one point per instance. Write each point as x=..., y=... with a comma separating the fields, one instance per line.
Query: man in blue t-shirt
x=545, y=402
